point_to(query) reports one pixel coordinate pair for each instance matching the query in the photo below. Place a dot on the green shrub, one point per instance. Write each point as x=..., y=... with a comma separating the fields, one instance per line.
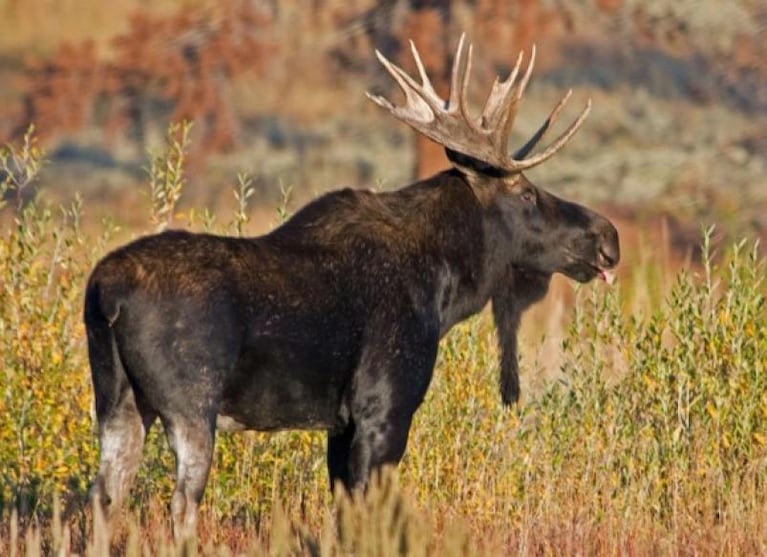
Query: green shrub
x=46, y=443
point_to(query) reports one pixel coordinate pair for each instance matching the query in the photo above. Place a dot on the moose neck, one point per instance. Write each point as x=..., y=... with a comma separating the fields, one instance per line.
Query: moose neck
x=474, y=259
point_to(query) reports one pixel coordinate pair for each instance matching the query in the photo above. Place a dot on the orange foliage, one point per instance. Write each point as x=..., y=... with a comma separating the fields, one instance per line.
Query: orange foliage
x=609, y=6
x=186, y=61
x=515, y=26
x=62, y=90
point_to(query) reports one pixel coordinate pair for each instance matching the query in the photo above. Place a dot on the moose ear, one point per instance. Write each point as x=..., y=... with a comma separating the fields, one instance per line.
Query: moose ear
x=462, y=162
x=474, y=167
x=479, y=175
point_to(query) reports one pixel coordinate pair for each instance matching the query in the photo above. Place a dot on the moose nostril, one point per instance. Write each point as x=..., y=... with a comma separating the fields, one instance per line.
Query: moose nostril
x=608, y=256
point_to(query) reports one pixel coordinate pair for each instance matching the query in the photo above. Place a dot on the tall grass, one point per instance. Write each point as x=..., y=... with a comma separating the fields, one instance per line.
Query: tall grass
x=652, y=440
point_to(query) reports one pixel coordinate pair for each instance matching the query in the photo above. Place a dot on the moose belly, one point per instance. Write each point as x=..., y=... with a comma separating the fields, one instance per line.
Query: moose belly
x=273, y=410
x=284, y=387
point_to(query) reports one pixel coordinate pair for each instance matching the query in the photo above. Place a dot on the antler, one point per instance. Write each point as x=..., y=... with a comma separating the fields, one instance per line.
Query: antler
x=449, y=123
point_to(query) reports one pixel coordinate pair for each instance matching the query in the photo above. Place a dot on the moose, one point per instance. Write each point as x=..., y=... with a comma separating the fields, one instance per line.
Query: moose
x=332, y=320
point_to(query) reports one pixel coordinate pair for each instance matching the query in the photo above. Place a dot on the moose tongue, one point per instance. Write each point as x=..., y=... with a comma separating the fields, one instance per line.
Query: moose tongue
x=607, y=276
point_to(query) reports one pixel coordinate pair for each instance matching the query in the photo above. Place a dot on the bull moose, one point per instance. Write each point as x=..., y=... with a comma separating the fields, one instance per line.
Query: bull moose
x=332, y=320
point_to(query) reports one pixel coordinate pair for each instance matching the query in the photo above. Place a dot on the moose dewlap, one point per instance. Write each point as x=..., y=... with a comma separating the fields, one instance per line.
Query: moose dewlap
x=332, y=320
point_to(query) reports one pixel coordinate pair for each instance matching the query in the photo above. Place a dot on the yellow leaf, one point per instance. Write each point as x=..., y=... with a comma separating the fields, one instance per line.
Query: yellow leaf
x=712, y=411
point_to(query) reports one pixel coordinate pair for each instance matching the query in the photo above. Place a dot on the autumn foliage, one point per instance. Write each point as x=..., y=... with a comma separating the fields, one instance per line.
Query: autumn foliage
x=164, y=69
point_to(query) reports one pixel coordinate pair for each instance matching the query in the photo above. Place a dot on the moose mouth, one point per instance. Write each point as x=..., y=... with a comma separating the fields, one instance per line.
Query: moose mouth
x=586, y=267
x=583, y=272
x=606, y=275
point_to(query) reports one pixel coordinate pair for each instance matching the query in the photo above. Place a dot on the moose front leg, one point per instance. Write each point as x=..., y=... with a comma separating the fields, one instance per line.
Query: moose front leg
x=521, y=289
x=389, y=384
x=339, y=445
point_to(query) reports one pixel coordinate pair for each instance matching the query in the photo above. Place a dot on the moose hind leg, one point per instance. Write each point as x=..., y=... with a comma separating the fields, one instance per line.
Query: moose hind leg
x=192, y=444
x=121, y=441
x=122, y=414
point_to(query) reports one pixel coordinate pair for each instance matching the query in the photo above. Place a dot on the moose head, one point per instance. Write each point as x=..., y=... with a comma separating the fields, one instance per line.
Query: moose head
x=544, y=233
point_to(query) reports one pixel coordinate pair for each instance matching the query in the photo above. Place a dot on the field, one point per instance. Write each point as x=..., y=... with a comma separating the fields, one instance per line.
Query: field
x=650, y=440
x=642, y=428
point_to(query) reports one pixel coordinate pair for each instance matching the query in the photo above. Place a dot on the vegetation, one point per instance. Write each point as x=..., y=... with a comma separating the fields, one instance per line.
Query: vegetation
x=163, y=68
x=651, y=440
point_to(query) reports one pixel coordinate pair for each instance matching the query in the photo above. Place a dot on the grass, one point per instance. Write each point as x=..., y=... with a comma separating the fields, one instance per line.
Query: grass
x=650, y=438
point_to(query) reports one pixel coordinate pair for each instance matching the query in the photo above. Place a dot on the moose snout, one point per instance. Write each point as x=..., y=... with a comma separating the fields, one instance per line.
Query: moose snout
x=608, y=249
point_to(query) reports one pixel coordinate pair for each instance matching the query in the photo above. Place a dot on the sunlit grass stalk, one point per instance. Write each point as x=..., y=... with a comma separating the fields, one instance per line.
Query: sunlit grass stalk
x=166, y=175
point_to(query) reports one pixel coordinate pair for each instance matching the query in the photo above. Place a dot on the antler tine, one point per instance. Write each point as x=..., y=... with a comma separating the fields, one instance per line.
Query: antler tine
x=523, y=151
x=528, y=73
x=511, y=113
x=457, y=78
x=499, y=96
x=556, y=145
x=425, y=82
x=463, y=103
x=459, y=83
x=419, y=104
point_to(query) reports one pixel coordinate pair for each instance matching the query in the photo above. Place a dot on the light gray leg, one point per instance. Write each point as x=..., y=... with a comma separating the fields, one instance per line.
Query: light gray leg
x=192, y=444
x=121, y=441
